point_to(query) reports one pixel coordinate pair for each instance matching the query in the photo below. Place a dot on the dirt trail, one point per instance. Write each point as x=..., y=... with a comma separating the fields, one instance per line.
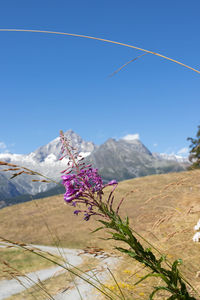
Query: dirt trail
x=13, y=286
x=87, y=291
x=72, y=256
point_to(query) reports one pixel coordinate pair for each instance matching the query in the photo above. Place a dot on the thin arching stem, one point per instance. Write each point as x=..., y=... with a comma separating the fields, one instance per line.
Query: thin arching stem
x=103, y=40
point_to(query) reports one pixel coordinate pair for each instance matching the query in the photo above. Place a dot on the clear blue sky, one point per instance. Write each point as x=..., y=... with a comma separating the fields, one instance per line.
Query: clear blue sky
x=51, y=82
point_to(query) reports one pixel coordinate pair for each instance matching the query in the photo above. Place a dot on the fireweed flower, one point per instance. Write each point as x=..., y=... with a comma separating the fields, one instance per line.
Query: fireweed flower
x=82, y=183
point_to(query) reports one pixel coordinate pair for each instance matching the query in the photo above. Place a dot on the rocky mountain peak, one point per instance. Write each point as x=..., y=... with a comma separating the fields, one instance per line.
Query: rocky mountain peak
x=135, y=145
x=54, y=147
x=127, y=145
x=116, y=159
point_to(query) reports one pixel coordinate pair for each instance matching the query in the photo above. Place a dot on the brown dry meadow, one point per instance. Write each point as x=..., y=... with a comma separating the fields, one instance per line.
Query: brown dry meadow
x=162, y=208
x=159, y=206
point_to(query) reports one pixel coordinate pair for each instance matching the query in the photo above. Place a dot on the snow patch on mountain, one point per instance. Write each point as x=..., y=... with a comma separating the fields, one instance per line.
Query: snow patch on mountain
x=44, y=160
x=172, y=157
x=116, y=159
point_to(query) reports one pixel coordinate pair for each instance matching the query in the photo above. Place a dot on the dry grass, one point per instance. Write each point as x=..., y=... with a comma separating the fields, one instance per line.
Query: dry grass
x=162, y=208
x=169, y=201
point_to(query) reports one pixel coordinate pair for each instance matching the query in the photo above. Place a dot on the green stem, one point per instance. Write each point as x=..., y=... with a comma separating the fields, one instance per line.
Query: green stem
x=171, y=277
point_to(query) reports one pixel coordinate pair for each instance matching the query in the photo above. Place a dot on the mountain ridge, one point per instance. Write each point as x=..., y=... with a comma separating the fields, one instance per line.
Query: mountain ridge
x=116, y=159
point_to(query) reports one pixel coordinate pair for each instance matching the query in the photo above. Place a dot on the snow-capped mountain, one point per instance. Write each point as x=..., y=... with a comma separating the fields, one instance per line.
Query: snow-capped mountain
x=51, y=152
x=116, y=159
x=172, y=157
x=44, y=160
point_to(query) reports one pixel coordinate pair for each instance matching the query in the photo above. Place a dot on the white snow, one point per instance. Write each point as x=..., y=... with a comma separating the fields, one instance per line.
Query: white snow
x=173, y=156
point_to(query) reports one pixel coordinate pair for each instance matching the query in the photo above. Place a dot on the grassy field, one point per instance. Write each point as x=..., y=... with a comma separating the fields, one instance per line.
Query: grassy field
x=20, y=260
x=163, y=208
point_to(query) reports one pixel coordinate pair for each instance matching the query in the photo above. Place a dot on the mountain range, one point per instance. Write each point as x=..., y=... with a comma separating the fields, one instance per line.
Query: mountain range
x=115, y=159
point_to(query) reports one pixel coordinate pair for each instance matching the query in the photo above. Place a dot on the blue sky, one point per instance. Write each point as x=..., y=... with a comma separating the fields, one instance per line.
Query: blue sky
x=51, y=82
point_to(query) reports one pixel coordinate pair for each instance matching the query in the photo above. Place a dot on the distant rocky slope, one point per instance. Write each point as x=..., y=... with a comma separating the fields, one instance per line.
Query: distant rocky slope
x=120, y=160
x=125, y=159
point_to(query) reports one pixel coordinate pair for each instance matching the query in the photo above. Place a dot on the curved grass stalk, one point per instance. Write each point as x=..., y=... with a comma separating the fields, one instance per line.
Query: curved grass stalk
x=116, y=283
x=102, y=40
x=26, y=171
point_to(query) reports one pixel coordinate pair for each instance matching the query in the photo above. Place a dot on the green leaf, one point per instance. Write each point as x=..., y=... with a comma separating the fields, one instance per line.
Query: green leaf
x=175, y=272
x=125, y=229
x=183, y=287
x=158, y=289
x=118, y=236
x=129, y=252
x=99, y=228
x=148, y=250
x=162, y=258
x=176, y=263
x=149, y=275
x=127, y=221
x=106, y=224
x=143, y=278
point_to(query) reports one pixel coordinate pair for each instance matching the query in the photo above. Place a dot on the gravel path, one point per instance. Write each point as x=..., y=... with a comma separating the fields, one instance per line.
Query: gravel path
x=87, y=291
x=11, y=287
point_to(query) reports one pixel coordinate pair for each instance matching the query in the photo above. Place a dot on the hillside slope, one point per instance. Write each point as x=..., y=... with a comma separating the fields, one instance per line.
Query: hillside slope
x=162, y=208
x=116, y=159
x=152, y=198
